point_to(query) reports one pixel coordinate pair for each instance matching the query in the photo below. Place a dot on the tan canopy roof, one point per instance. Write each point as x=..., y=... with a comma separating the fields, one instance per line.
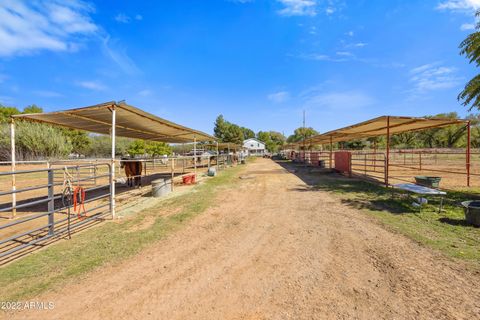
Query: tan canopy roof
x=378, y=127
x=131, y=122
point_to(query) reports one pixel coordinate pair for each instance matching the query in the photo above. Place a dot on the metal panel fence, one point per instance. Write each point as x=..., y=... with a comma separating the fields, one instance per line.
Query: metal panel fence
x=53, y=209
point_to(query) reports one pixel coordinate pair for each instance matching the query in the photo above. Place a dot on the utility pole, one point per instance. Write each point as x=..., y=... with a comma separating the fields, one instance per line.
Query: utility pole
x=304, y=137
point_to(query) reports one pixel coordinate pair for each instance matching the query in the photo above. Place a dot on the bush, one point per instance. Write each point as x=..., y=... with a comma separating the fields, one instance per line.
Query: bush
x=34, y=141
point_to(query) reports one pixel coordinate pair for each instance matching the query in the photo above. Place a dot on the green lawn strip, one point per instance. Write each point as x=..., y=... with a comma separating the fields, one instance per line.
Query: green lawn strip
x=110, y=242
x=446, y=232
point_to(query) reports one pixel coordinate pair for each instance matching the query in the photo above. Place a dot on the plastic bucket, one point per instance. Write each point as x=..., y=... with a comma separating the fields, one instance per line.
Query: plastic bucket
x=472, y=212
x=188, y=179
x=161, y=187
x=212, y=172
x=431, y=182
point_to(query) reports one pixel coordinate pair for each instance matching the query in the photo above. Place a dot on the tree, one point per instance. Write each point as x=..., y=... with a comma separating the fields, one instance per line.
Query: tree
x=32, y=109
x=137, y=147
x=7, y=112
x=247, y=133
x=79, y=140
x=273, y=140
x=154, y=149
x=353, y=145
x=233, y=134
x=34, y=141
x=220, y=128
x=470, y=47
x=229, y=132
x=301, y=133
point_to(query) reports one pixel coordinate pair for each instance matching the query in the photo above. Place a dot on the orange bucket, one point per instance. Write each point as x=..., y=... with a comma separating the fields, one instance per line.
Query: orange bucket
x=188, y=179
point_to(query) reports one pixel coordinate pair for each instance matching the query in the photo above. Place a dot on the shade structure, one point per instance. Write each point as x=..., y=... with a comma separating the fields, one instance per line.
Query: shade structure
x=131, y=122
x=379, y=126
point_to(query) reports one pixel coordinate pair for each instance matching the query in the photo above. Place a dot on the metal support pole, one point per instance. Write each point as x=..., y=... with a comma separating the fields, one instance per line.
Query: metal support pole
x=13, y=151
x=331, y=152
x=195, y=155
x=218, y=155
x=112, y=172
x=51, y=203
x=387, y=160
x=468, y=154
x=173, y=170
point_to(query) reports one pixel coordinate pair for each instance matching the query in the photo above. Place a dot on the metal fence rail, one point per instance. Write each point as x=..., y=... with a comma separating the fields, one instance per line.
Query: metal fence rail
x=41, y=201
x=51, y=213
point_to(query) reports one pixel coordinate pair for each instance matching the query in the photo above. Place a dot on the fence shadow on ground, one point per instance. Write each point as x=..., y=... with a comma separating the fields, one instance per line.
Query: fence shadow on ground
x=361, y=194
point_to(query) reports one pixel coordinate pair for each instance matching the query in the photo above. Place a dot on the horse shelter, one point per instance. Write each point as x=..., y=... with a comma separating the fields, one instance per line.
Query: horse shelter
x=387, y=165
x=73, y=184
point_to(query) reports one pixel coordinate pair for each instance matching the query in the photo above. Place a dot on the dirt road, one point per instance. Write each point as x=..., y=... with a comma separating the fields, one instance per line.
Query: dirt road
x=273, y=249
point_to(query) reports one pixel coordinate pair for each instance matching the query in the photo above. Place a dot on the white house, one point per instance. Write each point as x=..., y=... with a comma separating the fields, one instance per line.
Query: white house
x=254, y=147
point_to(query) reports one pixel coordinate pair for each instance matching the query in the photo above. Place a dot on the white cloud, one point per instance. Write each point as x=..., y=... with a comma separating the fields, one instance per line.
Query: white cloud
x=298, y=7
x=338, y=100
x=345, y=54
x=92, y=85
x=359, y=44
x=350, y=33
x=338, y=57
x=124, y=18
x=279, y=97
x=119, y=55
x=56, y=25
x=459, y=5
x=467, y=26
x=433, y=76
x=330, y=10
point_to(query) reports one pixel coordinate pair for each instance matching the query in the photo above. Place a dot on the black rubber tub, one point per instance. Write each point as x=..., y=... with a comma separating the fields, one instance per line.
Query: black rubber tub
x=472, y=212
x=431, y=182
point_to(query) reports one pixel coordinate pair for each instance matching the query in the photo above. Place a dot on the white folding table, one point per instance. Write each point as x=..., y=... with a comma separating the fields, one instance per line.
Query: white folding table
x=421, y=190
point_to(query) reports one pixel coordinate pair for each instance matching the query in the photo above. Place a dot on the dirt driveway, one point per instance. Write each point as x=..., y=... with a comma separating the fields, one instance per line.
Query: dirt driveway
x=273, y=249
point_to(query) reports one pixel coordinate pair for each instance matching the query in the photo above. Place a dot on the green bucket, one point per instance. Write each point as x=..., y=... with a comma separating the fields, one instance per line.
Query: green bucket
x=431, y=182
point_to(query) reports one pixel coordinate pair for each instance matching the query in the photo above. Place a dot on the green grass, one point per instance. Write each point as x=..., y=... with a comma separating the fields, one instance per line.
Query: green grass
x=446, y=231
x=110, y=242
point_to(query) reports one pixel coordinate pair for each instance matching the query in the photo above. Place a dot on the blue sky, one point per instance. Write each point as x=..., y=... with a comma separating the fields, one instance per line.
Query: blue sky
x=259, y=62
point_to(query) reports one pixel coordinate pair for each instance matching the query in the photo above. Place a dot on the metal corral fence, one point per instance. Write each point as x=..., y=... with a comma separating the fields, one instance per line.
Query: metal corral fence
x=404, y=165
x=53, y=199
x=59, y=211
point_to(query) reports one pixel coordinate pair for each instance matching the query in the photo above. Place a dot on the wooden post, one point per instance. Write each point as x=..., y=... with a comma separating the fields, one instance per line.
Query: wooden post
x=387, y=160
x=195, y=155
x=365, y=164
x=331, y=152
x=13, y=165
x=228, y=154
x=112, y=175
x=218, y=155
x=468, y=154
x=173, y=170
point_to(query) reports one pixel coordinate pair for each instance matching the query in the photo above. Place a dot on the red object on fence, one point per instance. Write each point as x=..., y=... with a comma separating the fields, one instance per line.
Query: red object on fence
x=80, y=202
x=188, y=179
x=343, y=162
